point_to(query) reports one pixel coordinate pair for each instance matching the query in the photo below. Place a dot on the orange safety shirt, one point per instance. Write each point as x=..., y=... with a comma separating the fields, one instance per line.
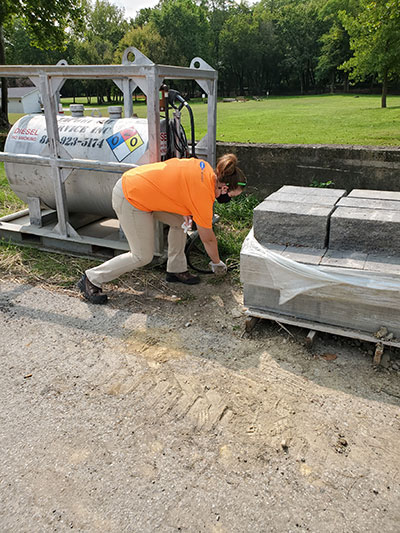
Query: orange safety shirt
x=183, y=186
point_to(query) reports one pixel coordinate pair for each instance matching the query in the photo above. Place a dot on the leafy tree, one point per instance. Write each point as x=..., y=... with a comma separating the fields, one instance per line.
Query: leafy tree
x=184, y=26
x=45, y=22
x=106, y=21
x=239, y=60
x=335, y=50
x=146, y=39
x=96, y=45
x=375, y=40
x=142, y=17
x=270, y=51
x=20, y=51
x=335, y=43
x=300, y=31
x=218, y=12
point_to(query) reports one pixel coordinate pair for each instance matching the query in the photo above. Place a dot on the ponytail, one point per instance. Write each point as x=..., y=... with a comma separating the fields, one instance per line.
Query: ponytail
x=228, y=172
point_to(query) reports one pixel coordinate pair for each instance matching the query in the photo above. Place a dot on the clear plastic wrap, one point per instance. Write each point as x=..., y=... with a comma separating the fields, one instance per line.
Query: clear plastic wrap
x=292, y=278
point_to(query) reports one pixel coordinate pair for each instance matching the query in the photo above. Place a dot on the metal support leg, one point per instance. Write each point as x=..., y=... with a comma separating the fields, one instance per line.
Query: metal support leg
x=35, y=212
x=49, y=97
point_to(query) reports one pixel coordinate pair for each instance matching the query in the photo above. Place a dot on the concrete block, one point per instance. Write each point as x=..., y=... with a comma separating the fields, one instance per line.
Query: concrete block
x=372, y=194
x=291, y=223
x=348, y=307
x=389, y=266
x=365, y=230
x=344, y=259
x=254, y=270
x=302, y=198
x=319, y=195
x=302, y=254
x=369, y=203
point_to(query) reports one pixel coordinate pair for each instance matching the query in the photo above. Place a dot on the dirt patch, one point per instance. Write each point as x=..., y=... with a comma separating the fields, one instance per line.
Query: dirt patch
x=159, y=412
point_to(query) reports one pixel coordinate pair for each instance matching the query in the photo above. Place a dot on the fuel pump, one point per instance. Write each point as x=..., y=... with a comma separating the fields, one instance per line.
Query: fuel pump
x=177, y=144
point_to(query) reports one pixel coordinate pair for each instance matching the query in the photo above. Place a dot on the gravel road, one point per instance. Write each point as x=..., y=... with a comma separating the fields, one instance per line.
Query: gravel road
x=158, y=413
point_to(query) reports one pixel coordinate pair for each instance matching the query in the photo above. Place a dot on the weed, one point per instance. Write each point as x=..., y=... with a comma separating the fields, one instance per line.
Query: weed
x=186, y=298
x=236, y=219
x=321, y=184
x=36, y=265
x=239, y=212
x=9, y=202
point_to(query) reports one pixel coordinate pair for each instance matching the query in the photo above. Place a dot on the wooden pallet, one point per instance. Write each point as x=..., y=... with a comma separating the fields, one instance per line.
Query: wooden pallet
x=254, y=315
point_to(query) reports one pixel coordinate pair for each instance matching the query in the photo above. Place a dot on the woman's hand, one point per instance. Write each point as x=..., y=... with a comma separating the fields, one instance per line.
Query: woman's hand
x=219, y=269
x=188, y=221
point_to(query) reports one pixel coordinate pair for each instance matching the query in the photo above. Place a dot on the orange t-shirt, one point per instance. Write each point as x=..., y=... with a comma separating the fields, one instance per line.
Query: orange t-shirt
x=183, y=186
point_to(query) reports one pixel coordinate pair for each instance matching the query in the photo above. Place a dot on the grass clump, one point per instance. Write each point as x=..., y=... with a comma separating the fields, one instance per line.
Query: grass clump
x=9, y=202
x=31, y=264
x=235, y=221
x=37, y=266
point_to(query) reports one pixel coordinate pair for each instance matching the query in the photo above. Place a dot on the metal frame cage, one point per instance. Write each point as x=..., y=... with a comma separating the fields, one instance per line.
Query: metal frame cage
x=55, y=229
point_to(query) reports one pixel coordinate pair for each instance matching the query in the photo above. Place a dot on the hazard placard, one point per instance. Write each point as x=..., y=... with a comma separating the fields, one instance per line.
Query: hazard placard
x=124, y=142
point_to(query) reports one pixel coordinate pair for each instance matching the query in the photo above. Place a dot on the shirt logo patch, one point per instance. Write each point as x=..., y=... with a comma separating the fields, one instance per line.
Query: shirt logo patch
x=202, y=166
x=124, y=142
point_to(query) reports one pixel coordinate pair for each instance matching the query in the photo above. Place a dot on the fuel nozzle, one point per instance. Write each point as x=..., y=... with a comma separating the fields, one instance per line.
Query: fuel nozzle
x=175, y=96
x=163, y=98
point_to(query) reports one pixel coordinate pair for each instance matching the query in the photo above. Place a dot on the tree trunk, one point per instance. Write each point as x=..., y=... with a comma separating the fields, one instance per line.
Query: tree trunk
x=301, y=83
x=4, y=124
x=333, y=81
x=346, y=82
x=384, y=89
x=109, y=94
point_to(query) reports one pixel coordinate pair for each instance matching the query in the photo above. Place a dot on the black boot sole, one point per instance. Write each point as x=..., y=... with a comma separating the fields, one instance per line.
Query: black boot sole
x=97, y=299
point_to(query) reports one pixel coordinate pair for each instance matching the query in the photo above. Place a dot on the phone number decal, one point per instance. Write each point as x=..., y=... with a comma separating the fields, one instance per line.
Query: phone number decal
x=75, y=141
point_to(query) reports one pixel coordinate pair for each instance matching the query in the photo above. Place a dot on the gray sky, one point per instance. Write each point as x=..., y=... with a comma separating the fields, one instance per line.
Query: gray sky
x=133, y=6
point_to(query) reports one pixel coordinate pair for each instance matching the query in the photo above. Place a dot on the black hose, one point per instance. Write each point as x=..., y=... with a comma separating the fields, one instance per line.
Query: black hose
x=192, y=129
x=174, y=96
x=178, y=139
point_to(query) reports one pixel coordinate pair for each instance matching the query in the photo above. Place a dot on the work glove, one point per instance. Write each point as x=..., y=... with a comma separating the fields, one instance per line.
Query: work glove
x=187, y=223
x=218, y=268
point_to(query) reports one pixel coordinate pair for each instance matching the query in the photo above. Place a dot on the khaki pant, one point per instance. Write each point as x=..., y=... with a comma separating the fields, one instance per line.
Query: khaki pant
x=138, y=227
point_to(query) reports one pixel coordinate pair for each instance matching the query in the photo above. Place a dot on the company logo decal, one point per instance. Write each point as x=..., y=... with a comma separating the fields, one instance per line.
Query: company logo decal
x=124, y=142
x=202, y=166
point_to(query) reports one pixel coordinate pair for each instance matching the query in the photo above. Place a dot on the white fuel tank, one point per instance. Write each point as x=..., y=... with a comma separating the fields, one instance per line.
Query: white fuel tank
x=95, y=138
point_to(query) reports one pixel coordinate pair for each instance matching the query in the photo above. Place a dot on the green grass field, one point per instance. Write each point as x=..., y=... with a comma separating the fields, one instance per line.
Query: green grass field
x=323, y=119
x=326, y=119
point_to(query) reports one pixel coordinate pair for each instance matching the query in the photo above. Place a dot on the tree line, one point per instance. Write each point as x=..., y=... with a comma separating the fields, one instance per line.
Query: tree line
x=269, y=47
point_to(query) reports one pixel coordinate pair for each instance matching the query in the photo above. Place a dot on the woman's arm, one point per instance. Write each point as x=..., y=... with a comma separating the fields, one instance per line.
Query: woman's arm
x=209, y=240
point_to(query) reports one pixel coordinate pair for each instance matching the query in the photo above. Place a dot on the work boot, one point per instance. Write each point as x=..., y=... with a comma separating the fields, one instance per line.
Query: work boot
x=182, y=277
x=91, y=292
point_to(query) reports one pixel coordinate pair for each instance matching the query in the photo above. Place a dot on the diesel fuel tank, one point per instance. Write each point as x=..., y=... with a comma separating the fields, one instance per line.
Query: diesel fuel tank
x=93, y=138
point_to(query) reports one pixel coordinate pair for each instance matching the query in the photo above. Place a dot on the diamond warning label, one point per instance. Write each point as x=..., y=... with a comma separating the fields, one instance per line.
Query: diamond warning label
x=124, y=142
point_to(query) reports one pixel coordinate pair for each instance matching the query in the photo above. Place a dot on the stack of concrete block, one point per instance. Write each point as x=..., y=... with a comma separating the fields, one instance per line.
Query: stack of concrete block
x=296, y=216
x=359, y=232
x=367, y=221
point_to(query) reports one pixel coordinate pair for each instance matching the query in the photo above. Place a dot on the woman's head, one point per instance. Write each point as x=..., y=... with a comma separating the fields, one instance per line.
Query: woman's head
x=229, y=174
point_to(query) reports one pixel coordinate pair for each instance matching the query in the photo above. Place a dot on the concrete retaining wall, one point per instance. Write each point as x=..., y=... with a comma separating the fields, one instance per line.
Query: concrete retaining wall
x=269, y=166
